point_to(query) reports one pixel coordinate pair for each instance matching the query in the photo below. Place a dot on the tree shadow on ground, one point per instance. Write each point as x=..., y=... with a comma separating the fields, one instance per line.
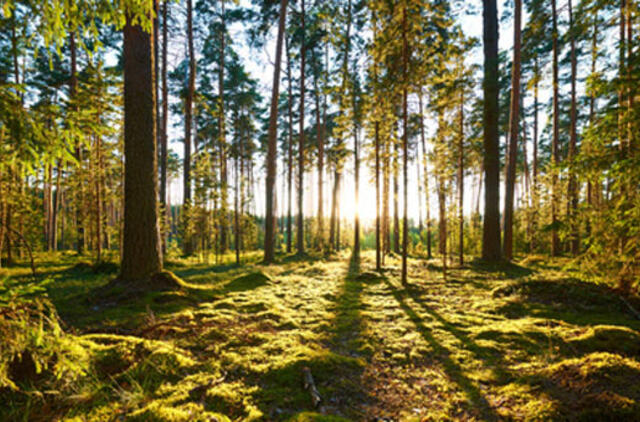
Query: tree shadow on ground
x=568, y=299
x=453, y=370
x=336, y=364
x=501, y=270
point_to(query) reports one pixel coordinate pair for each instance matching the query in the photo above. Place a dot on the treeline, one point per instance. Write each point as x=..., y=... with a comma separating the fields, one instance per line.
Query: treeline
x=542, y=136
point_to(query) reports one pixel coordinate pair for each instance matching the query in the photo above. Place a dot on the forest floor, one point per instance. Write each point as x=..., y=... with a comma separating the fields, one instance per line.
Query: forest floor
x=528, y=341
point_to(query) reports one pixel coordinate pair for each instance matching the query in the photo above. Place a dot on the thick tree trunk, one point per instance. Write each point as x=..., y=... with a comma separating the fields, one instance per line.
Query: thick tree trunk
x=141, y=251
x=514, y=115
x=270, y=223
x=491, y=223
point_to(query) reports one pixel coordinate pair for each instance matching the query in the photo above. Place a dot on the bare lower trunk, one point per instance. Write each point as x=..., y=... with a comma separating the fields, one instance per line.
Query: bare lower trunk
x=270, y=223
x=141, y=251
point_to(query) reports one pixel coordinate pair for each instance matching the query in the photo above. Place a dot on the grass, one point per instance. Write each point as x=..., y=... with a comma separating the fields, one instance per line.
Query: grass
x=527, y=341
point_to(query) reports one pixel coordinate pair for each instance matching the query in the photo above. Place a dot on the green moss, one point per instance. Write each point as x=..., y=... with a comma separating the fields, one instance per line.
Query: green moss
x=504, y=342
x=315, y=417
x=247, y=282
x=608, y=338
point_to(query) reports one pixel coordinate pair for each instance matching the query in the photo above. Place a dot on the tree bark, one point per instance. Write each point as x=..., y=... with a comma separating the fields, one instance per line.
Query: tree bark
x=270, y=223
x=555, y=240
x=405, y=148
x=461, y=181
x=188, y=104
x=141, y=251
x=224, y=178
x=79, y=197
x=165, y=118
x=425, y=174
x=290, y=152
x=300, y=232
x=491, y=222
x=396, y=192
x=514, y=115
x=573, y=139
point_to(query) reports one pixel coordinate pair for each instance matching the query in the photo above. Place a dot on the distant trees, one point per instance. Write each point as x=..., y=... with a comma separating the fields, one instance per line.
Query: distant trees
x=373, y=86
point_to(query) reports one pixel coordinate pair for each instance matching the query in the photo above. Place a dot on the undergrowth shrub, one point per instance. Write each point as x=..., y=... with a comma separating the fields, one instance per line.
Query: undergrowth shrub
x=34, y=348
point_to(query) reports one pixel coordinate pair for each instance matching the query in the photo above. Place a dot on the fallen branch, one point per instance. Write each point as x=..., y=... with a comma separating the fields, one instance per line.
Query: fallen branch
x=631, y=308
x=311, y=386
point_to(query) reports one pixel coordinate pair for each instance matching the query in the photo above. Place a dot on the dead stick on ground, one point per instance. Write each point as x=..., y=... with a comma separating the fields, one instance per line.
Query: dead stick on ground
x=631, y=308
x=311, y=386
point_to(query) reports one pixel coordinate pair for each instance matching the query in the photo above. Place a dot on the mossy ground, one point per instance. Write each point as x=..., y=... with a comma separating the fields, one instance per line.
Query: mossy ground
x=519, y=342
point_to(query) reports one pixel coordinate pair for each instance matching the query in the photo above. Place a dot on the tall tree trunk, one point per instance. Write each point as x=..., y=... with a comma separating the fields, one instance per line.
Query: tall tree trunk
x=621, y=73
x=396, y=192
x=592, y=183
x=491, y=223
x=405, y=148
x=534, y=188
x=300, y=231
x=386, y=174
x=270, y=223
x=98, y=205
x=442, y=222
x=79, y=197
x=156, y=54
x=165, y=118
x=334, y=208
x=514, y=115
x=573, y=139
x=57, y=206
x=236, y=213
x=290, y=152
x=48, y=204
x=188, y=104
x=224, y=183
x=141, y=251
x=377, y=181
x=356, y=225
x=426, y=173
x=461, y=181
x=555, y=240
x=320, y=135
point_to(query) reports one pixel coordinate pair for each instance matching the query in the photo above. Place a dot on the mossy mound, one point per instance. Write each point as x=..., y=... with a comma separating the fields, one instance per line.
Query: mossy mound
x=316, y=417
x=248, y=282
x=105, y=267
x=577, y=295
x=166, y=280
x=598, y=386
x=369, y=277
x=608, y=338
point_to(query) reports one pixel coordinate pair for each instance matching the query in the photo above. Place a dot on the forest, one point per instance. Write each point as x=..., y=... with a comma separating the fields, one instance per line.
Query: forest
x=319, y=210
